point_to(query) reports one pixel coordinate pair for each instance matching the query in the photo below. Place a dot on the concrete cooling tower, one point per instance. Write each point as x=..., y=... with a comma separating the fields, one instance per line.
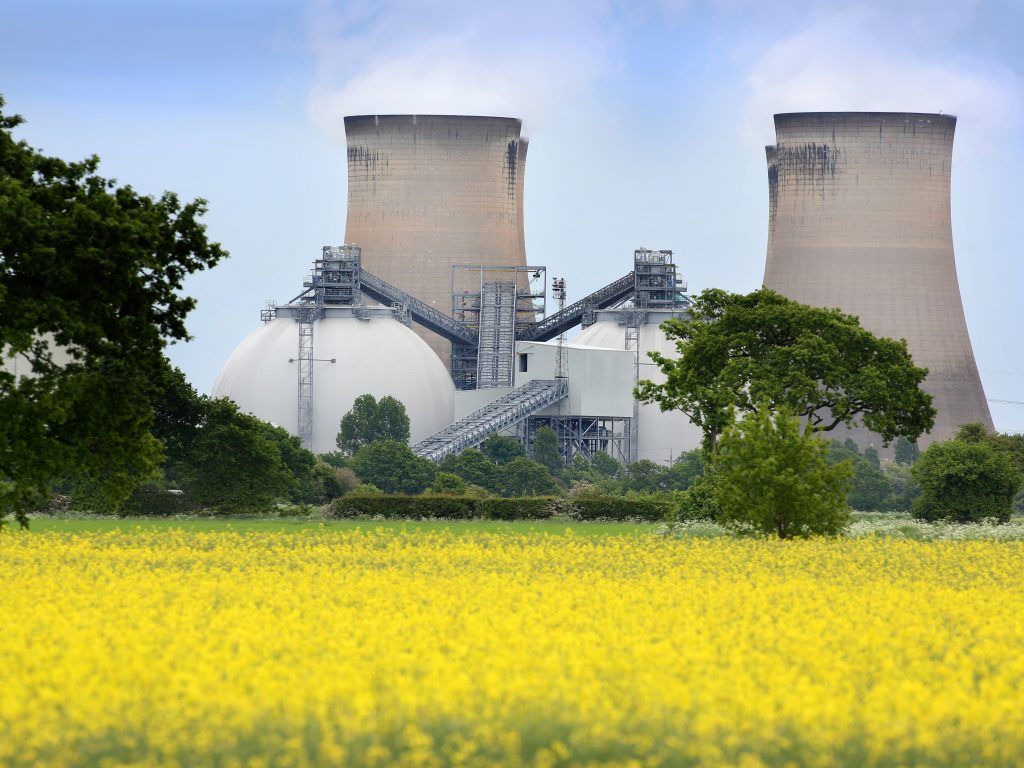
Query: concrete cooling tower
x=355, y=351
x=427, y=192
x=859, y=219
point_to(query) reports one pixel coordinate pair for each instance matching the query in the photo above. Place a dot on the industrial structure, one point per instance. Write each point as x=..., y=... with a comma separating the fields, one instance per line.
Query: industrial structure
x=430, y=192
x=317, y=353
x=859, y=219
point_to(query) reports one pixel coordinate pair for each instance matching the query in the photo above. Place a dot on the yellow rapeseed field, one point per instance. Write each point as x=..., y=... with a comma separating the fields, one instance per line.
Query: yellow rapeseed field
x=430, y=649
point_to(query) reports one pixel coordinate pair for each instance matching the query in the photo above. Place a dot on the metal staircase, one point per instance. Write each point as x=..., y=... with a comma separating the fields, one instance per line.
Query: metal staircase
x=571, y=316
x=508, y=410
x=496, y=335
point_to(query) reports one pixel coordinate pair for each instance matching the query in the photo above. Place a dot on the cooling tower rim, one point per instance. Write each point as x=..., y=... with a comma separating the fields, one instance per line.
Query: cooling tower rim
x=939, y=117
x=404, y=117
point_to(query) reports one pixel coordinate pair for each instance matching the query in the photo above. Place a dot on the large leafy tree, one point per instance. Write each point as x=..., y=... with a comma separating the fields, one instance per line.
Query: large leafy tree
x=371, y=420
x=90, y=280
x=738, y=350
x=393, y=467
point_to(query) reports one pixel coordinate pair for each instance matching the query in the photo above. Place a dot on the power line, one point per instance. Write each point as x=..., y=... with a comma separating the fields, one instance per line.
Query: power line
x=1005, y=402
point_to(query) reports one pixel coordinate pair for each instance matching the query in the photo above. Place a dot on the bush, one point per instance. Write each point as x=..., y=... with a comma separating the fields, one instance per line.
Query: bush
x=771, y=478
x=698, y=501
x=621, y=508
x=964, y=482
x=449, y=483
x=524, y=477
x=403, y=507
x=523, y=508
x=393, y=467
x=156, y=502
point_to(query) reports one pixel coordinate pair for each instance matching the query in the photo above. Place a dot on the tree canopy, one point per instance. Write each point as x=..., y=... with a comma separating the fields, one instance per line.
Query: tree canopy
x=737, y=350
x=371, y=420
x=90, y=281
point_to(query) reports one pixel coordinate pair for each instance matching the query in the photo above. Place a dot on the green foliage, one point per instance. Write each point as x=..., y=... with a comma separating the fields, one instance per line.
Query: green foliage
x=906, y=452
x=449, y=483
x=698, y=501
x=528, y=508
x=903, y=489
x=545, y=450
x=403, y=506
x=644, y=476
x=771, y=478
x=621, y=508
x=604, y=465
x=736, y=351
x=90, y=281
x=965, y=482
x=501, y=449
x=371, y=420
x=336, y=459
x=685, y=470
x=1012, y=446
x=524, y=477
x=870, y=491
x=229, y=460
x=393, y=467
x=473, y=467
x=871, y=457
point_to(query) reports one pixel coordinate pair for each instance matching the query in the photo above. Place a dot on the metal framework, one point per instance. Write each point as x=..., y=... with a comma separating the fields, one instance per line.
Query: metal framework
x=584, y=435
x=656, y=283
x=495, y=305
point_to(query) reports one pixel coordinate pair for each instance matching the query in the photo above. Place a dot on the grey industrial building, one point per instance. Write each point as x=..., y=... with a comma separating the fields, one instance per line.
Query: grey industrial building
x=859, y=219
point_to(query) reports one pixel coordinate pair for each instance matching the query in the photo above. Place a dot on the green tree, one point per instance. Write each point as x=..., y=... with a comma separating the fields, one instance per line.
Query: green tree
x=393, y=467
x=473, y=467
x=235, y=461
x=736, y=351
x=685, y=470
x=644, y=476
x=370, y=420
x=228, y=459
x=447, y=482
x=871, y=457
x=965, y=482
x=870, y=491
x=771, y=478
x=90, y=281
x=545, y=450
x=501, y=449
x=524, y=477
x=905, y=452
x=605, y=465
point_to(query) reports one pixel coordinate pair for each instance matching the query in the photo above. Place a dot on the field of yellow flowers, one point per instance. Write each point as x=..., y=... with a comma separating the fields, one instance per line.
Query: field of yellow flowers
x=427, y=649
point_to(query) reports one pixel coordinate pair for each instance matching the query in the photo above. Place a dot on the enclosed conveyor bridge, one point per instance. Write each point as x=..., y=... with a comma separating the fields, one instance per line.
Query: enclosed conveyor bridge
x=507, y=411
x=424, y=314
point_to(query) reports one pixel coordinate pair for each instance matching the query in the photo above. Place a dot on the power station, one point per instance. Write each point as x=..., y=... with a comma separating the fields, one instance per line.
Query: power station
x=433, y=300
x=859, y=219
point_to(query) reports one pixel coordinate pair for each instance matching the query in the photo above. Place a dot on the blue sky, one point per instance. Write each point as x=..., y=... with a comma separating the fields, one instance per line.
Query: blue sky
x=647, y=123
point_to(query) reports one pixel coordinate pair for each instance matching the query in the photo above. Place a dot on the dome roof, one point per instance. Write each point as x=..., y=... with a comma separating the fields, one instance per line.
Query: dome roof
x=379, y=356
x=663, y=434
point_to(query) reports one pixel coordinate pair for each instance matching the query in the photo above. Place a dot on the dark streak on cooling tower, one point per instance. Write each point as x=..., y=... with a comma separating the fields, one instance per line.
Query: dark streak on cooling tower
x=859, y=218
x=426, y=192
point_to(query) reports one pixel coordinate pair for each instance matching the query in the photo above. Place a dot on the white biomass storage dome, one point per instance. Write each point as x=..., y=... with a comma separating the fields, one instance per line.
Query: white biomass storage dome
x=663, y=435
x=379, y=356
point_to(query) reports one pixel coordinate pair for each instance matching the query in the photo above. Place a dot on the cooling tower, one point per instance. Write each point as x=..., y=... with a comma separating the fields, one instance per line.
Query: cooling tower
x=859, y=219
x=354, y=354
x=663, y=435
x=426, y=192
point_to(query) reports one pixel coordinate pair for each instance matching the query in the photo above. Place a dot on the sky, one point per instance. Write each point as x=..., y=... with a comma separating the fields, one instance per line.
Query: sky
x=647, y=123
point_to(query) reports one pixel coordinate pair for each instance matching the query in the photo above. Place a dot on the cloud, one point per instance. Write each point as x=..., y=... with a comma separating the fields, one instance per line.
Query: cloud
x=405, y=56
x=860, y=57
